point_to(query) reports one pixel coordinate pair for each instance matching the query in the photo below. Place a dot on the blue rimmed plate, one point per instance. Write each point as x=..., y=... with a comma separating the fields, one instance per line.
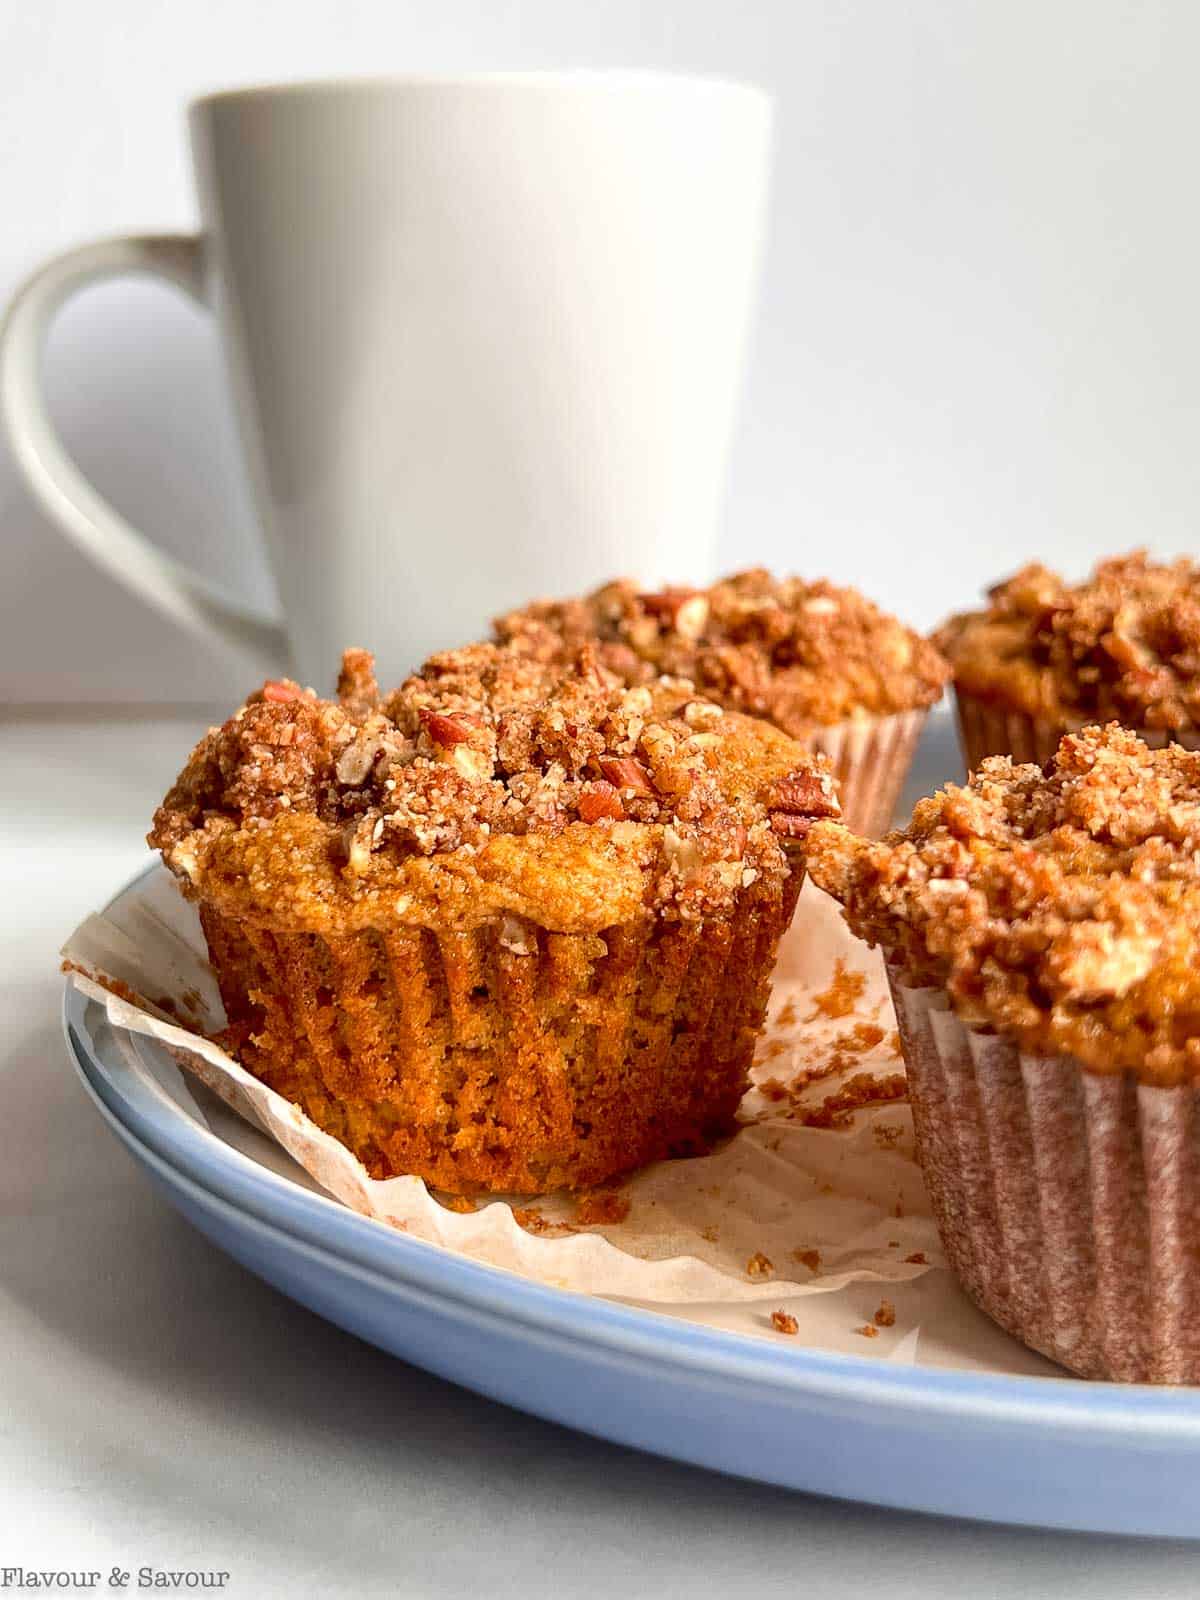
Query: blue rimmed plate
x=1041, y=1450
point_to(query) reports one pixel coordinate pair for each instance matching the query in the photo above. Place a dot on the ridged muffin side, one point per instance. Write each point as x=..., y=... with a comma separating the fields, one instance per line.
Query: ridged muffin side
x=1042, y=929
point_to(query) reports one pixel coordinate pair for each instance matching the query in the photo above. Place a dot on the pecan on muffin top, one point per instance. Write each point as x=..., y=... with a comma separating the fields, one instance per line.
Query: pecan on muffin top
x=802, y=654
x=1062, y=907
x=1124, y=644
x=491, y=782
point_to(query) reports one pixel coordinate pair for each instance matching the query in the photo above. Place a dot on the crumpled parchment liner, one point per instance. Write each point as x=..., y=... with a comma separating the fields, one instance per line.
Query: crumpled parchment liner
x=777, y=1189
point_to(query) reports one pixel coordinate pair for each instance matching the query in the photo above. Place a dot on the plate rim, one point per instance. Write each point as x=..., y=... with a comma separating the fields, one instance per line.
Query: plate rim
x=1086, y=1409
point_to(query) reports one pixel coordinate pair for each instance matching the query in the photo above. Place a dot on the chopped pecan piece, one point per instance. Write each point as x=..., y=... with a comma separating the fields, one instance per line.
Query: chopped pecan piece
x=737, y=842
x=807, y=794
x=448, y=731
x=684, y=610
x=281, y=690
x=627, y=774
x=789, y=826
x=665, y=604
x=590, y=667
x=598, y=800
x=798, y=800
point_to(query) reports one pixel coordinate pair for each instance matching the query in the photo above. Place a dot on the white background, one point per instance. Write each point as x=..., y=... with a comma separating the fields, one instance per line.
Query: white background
x=977, y=339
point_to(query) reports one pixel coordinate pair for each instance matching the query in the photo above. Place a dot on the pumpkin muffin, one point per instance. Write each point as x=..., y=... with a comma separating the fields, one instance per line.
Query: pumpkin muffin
x=1046, y=658
x=1042, y=933
x=509, y=927
x=820, y=662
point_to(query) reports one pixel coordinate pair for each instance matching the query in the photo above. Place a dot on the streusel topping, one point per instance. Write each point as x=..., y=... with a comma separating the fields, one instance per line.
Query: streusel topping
x=1060, y=907
x=491, y=780
x=1123, y=644
x=798, y=653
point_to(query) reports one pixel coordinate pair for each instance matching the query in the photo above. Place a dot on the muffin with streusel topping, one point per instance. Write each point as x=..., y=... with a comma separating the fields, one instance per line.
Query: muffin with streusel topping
x=509, y=927
x=1046, y=657
x=1042, y=932
x=821, y=662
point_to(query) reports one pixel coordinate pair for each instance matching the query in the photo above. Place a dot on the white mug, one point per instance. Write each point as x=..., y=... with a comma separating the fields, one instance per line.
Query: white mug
x=484, y=337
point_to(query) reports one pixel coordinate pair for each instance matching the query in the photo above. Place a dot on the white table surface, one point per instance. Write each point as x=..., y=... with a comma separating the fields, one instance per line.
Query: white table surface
x=161, y=1407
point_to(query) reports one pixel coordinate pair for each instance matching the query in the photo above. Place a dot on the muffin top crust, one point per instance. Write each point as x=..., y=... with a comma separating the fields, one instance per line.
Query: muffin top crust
x=491, y=782
x=1123, y=644
x=798, y=653
x=1061, y=907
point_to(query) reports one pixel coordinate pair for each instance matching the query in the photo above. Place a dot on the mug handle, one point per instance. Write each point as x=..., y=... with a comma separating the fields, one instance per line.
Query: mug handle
x=185, y=597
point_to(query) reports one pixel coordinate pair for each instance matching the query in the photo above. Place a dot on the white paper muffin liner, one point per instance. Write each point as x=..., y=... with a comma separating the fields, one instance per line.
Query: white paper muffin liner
x=1068, y=1201
x=870, y=758
x=989, y=730
x=850, y=1198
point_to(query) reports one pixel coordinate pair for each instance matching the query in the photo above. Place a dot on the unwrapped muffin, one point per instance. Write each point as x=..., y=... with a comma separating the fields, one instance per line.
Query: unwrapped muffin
x=510, y=927
x=1046, y=657
x=1042, y=932
x=822, y=663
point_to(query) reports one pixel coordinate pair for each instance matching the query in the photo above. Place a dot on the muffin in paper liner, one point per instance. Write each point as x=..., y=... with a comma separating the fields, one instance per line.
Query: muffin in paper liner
x=819, y=661
x=508, y=928
x=508, y=1056
x=870, y=758
x=1042, y=927
x=678, y=1234
x=1066, y=1199
x=1045, y=657
x=988, y=729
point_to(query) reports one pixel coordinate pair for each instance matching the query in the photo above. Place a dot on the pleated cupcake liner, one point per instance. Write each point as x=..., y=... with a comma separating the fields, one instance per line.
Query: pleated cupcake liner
x=989, y=730
x=1067, y=1200
x=508, y=1057
x=870, y=759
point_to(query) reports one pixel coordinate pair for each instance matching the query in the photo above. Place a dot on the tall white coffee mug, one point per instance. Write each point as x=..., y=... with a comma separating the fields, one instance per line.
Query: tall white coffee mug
x=484, y=336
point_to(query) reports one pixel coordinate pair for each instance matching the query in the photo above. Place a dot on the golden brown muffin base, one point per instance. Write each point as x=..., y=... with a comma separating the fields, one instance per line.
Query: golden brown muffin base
x=1065, y=1200
x=480, y=1060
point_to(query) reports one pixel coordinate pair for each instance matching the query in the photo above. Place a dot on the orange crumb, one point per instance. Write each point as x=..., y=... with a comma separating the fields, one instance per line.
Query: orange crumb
x=885, y=1317
x=893, y=1244
x=772, y=1049
x=837, y=1062
x=868, y=1330
x=917, y=1259
x=603, y=1206
x=863, y=1036
x=863, y=1089
x=529, y=1219
x=787, y=1015
x=457, y=1202
x=784, y=1322
x=886, y=1134
x=712, y=1233
x=808, y=1258
x=759, y=1266
x=844, y=991
x=122, y=990
x=894, y=1042
x=773, y=1089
